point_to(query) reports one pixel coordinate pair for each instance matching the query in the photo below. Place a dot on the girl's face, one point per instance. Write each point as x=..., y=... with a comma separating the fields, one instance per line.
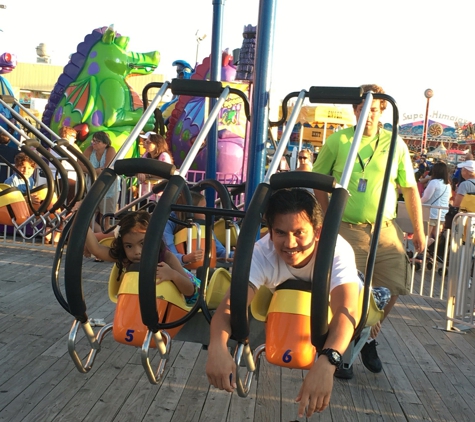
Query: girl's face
x=133, y=243
x=149, y=146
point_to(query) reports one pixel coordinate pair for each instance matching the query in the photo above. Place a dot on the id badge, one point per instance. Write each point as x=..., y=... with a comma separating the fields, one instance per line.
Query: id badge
x=362, y=185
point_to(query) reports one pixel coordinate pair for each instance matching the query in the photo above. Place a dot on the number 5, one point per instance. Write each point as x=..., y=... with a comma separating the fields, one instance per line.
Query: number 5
x=129, y=335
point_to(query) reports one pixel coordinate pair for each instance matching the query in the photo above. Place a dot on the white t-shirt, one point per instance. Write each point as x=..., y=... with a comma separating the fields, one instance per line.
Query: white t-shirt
x=268, y=269
x=68, y=167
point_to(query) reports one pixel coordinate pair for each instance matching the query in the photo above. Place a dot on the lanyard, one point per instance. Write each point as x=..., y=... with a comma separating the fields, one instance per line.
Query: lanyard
x=364, y=165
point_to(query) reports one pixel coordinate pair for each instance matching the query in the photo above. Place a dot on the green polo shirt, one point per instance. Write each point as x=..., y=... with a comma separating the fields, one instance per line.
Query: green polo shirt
x=362, y=206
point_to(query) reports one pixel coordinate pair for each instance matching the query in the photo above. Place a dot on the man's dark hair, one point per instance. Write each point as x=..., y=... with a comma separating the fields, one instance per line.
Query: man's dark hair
x=292, y=201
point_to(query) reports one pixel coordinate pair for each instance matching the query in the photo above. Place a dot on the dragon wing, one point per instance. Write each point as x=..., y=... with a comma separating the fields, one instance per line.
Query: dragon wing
x=80, y=95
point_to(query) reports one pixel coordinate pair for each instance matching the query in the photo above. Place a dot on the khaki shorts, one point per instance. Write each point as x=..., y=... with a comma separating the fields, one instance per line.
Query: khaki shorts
x=108, y=205
x=392, y=267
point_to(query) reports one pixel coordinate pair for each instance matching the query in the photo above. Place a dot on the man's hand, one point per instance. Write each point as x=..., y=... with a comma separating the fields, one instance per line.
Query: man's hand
x=419, y=241
x=315, y=393
x=221, y=369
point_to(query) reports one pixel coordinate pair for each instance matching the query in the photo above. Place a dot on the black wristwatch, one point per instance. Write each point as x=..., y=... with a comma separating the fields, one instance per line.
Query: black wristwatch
x=334, y=357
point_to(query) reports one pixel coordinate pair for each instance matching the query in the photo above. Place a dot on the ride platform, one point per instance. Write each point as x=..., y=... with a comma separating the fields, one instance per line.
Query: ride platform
x=428, y=374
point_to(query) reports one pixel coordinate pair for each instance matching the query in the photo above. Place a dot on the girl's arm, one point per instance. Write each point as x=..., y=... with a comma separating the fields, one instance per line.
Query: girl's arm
x=95, y=248
x=172, y=270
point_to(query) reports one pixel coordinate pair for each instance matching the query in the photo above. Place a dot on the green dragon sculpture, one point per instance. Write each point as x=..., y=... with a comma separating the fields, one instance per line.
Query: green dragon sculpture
x=92, y=93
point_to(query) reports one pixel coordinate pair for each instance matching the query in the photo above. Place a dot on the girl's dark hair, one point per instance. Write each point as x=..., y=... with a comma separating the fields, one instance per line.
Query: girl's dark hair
x=292, y=201
x=161, y=144
x=440, y=171
x=103, y=137
x=136, y=219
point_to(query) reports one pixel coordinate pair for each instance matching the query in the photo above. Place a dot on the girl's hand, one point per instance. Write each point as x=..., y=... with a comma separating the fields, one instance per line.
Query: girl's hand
x=164, y=272
x=141, y=177
x=193, y=257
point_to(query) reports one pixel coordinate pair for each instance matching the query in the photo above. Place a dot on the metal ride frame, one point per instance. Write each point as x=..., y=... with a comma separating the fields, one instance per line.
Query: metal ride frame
x=330, y=228
x=74, y=302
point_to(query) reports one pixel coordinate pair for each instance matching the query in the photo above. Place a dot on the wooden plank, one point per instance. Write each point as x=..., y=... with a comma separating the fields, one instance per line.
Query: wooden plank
x=291, y=381
x=408, y=350
x=194, y=396
x=428, y=395
x=366, y=407
x=268, y=396
x=341, y=405
x=99, y=381
x=243, y=408
x=458, y=408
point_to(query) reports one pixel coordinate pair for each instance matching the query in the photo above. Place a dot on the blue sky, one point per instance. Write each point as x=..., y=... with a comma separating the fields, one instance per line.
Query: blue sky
x=405, y=46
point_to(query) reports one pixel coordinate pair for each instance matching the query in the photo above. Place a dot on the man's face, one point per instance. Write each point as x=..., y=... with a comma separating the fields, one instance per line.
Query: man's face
x=373, y=117
x=294, y=238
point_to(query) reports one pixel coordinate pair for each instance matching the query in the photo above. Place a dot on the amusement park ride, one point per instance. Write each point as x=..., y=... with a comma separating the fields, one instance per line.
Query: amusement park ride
x=91, y=97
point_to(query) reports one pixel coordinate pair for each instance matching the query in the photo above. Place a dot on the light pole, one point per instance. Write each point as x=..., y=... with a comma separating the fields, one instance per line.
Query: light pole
x=428, y=93
x=199, y=38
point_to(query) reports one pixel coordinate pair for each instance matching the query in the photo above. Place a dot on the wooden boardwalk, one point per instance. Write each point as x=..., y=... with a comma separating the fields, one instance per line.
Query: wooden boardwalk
x=429, y=374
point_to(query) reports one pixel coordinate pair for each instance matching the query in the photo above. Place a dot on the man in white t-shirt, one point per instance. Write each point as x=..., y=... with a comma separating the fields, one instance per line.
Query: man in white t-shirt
x=294, y=219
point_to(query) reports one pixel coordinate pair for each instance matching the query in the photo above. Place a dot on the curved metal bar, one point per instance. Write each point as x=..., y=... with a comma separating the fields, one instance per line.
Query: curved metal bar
x=57, y=265
x=242, y=263
x=163, y=348
x=243, y=385
x=94, y=341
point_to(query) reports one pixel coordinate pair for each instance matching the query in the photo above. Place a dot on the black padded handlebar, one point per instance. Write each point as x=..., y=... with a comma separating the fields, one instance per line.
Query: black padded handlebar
x=196, y=88
x=132, y=166
x=303, y=179
x=242, y=262
x=74, y=252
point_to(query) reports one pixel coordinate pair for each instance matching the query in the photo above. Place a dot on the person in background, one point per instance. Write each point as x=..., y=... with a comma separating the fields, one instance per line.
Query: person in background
x=70, y=135
x=468, y=185
x=156, y=147
x=392, y=268
x=26, y=166
x=457, y=177
x=172, y=228
x=437, y=193
x=101, y=153
x=8, y=153
x=305, y=160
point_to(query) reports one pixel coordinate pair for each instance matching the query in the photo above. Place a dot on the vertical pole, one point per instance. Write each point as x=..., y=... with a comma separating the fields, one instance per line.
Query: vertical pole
x=260, y=97
x=428, y=93
x=215, y=75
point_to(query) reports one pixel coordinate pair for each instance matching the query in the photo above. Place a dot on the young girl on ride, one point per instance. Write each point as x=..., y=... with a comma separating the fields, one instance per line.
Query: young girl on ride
x=126, y=249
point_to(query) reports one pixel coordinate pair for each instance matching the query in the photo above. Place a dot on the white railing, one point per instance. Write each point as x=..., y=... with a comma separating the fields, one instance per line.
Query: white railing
x=429, y=269
x=460, y=298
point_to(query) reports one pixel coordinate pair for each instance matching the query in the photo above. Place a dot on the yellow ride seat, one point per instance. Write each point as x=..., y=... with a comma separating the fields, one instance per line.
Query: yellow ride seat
x=128, y=327
x=220, y=232
x=12, y=205
x=287, y=316
x=181, y=239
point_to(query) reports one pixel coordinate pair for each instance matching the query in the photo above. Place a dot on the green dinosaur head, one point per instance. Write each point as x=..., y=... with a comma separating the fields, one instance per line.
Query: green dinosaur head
x=111, y=55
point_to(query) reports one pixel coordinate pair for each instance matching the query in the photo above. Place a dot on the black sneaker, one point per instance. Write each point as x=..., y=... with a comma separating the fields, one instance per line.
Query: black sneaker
x=344, y=373
x=370, y=358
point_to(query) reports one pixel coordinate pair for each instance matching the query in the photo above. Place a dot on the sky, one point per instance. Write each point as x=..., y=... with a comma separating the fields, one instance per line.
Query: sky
x=404, y=46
